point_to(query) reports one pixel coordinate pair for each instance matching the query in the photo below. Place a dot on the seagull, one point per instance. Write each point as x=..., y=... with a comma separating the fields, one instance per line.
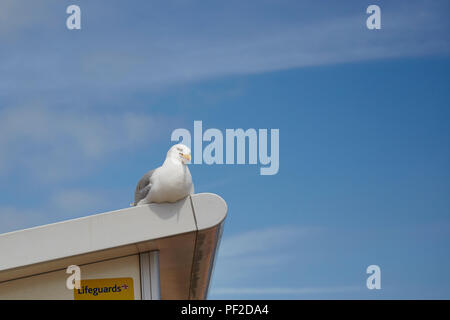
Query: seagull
x=170, y=182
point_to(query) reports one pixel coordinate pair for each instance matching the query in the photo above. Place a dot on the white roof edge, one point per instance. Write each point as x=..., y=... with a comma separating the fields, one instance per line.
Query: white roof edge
x=110, y=229
x=210, y=210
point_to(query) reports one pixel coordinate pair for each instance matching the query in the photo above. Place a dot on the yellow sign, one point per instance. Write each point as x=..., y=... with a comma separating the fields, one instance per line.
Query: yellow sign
x=105, y=289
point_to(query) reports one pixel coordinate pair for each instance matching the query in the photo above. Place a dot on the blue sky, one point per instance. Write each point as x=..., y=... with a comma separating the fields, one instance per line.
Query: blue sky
x=363, y=118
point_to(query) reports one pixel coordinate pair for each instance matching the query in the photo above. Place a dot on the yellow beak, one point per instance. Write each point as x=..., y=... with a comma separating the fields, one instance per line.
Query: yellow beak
x=187, y=157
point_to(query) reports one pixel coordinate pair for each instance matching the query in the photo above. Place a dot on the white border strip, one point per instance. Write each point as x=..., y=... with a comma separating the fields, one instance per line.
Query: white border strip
x=150, y=279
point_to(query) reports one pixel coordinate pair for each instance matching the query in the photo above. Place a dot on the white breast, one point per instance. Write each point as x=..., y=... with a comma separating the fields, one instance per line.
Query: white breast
x=171, y=182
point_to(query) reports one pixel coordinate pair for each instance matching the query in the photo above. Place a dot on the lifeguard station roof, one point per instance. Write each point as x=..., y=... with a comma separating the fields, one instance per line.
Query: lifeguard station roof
x=186, y=233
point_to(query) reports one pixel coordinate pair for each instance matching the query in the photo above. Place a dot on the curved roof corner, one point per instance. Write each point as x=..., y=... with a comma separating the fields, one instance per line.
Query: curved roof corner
x=209, y=210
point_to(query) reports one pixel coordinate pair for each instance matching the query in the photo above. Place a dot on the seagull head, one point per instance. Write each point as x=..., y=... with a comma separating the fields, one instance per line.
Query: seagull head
x=180, y=152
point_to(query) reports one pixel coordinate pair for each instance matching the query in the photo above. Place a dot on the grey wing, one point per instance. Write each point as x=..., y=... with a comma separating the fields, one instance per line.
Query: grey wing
x=143, y=187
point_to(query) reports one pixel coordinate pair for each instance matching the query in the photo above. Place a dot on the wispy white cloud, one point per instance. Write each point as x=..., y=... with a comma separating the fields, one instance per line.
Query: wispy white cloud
x=240, y=255
x=248, y=255
x=17, y=15
x=79, y=200
x=169, y=49
x=53, y=144
x=285, y=291
x=261, y=241
x=12, y=218
x=57, y=206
